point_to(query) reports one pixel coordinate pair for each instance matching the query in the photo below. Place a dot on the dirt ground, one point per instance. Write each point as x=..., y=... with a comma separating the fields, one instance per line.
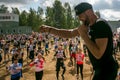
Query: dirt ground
x=49, y=70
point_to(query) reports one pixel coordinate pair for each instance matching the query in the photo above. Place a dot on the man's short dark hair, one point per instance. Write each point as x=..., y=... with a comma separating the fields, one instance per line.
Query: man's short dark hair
x=15, y=59
x=82, y=7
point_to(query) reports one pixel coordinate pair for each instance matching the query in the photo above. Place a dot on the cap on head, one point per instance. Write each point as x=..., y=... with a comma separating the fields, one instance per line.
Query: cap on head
x=82, y=7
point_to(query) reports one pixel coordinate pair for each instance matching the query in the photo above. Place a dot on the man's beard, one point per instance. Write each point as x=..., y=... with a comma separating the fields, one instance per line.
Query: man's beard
x=86, y=22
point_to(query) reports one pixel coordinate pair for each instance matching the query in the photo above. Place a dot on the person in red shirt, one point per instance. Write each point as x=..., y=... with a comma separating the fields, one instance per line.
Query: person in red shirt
x=79, y=62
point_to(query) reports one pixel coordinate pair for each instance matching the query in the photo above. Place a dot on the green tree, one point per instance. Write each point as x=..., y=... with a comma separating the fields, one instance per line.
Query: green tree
x=15, y=11
x=39, y=18
x=32, y=18
x=3, y=9
x=76, y=22
x=23, y=18
x=49, y=16
x=69, y=17
x=59, y=15
x=35, y=18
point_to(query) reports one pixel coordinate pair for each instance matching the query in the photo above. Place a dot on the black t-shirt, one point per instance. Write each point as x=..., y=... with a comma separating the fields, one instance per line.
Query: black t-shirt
x=101, y=29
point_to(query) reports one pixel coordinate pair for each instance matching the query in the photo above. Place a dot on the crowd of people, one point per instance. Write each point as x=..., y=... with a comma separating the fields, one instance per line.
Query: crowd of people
x=37, y=46
x=14, y=48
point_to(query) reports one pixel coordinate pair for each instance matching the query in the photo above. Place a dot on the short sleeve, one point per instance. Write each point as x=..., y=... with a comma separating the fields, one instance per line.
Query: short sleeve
x=101, y=30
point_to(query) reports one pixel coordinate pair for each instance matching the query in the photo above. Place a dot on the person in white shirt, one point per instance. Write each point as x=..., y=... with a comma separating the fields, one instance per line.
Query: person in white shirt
x=60, y=55
x=15, y=70
x=39, y=66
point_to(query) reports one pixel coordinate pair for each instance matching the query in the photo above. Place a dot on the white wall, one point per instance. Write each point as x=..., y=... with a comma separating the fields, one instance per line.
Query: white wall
x=9, y=17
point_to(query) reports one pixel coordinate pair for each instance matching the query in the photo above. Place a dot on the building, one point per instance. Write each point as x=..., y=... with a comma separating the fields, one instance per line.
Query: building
x=9, y=24
x=114, y=25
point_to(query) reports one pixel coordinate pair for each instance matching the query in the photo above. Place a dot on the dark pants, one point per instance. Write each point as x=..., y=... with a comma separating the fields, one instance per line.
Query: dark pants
x=31, y=56
x=81, y=70
x=59, y=64
x=17, y=78
x=39, y=75
x=107, y=70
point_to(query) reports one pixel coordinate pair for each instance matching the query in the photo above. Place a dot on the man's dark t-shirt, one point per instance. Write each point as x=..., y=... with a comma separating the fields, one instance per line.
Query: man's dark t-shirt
x=106, y=63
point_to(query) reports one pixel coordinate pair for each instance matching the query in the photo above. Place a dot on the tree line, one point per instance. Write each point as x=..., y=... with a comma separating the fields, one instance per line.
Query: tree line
x=59, y=16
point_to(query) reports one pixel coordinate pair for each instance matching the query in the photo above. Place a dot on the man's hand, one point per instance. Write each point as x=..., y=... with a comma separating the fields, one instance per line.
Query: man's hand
x=83, y=31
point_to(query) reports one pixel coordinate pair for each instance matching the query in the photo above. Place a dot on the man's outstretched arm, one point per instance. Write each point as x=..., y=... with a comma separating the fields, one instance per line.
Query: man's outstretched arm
x=60, y=32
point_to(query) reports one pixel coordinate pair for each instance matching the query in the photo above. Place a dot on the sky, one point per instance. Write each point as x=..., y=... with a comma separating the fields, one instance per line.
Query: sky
x=109, y=9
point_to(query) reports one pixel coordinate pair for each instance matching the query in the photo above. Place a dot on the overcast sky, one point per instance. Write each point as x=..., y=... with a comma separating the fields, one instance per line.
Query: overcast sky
x=109, y=9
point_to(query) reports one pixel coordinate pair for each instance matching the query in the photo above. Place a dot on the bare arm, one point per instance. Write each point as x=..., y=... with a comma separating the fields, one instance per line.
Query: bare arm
x=60, y=32
x=98, y=48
